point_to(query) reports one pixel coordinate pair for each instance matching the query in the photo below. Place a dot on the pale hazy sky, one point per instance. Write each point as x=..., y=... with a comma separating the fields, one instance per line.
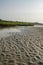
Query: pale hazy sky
x=22, y=10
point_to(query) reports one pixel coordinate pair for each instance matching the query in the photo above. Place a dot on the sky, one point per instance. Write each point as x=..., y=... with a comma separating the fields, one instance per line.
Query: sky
x=22, y=10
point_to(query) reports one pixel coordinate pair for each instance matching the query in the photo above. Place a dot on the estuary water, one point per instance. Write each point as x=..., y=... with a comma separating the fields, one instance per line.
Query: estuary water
x=19, y=29
x=7, y=31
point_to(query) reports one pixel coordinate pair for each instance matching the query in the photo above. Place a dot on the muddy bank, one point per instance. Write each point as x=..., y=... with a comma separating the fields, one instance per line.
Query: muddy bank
x=24, y=48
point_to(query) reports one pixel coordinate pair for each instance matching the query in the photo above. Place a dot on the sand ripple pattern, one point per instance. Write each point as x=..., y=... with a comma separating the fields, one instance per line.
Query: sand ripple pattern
x=25, y=48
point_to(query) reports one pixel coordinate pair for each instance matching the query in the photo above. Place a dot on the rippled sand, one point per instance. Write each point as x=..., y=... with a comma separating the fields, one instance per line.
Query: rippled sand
x=24, y=48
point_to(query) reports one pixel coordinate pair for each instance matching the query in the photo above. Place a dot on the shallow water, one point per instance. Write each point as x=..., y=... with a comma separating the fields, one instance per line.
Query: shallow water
x=6, y=31
x=19, y=29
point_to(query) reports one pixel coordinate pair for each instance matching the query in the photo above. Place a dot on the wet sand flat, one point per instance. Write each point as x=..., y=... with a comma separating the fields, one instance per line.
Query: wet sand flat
x=22, y=48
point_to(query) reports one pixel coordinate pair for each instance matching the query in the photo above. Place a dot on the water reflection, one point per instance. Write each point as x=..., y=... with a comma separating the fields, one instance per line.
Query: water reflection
x=6, y=31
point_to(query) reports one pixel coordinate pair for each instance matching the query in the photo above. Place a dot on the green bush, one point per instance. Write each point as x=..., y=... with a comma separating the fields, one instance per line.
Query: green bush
x=14, y=23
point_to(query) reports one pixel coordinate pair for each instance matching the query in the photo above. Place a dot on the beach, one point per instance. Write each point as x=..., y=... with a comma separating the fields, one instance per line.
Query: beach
x=22, y=48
